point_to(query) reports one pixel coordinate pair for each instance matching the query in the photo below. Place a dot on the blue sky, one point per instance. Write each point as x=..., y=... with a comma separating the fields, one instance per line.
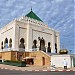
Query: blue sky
x=58, y=14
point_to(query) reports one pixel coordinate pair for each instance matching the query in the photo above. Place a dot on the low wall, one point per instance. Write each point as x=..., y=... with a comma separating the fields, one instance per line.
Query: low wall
x=74, y=62
x=6, y=55
x=57, y=60
x=40, y=58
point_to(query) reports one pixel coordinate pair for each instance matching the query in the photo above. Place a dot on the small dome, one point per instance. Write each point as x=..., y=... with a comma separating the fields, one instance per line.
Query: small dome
x=63, y=51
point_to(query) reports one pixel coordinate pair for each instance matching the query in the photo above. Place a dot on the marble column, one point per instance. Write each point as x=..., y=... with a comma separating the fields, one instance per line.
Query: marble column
x=58, y=43
x=38, y=44
x=53, y=42
x=46, y=45
x=46, y=49
x=14, y=37
x=29, y=38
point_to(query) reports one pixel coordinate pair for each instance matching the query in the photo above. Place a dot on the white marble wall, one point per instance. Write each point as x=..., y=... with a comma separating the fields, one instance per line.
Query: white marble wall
x=55, y=59
x=7, y=32
x=30, y=30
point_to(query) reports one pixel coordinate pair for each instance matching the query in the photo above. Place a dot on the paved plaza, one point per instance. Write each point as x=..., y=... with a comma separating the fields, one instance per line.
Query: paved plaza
x=34, y=68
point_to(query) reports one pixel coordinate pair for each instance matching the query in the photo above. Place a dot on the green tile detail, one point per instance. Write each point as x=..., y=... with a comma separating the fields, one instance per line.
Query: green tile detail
x=31, y=14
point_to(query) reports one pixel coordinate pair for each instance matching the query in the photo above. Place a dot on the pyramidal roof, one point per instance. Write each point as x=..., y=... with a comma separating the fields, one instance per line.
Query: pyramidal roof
x=31, y=14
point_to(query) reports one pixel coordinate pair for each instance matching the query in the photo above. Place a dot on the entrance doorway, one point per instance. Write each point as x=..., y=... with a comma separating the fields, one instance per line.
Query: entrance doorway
x=43, y=61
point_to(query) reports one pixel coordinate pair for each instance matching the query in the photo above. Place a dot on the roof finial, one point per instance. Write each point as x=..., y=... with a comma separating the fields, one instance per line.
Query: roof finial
x=31, y=8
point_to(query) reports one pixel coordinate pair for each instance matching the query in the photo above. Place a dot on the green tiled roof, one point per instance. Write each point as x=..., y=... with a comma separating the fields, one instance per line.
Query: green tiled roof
x=31, y=14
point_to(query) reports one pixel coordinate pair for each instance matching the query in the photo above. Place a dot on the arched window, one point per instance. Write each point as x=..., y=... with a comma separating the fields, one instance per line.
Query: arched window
x=6, y=43
x=22, y=40
x=6, y=40
x=2, y=45
x=49, y=48
x=22, y=43
x=42, y=44
x=10, y=43
x=55, y=47
x=34, y=44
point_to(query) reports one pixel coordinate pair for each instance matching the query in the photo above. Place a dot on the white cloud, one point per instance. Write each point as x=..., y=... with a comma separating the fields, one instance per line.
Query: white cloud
x=33, y=2
x=57, y=13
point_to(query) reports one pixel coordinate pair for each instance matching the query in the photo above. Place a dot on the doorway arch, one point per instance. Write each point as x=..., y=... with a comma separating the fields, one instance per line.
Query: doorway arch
x=6, y=43
x=49, y=48
x=22, y=46
x=55, y=47
x=2, y=45
x=34, y=44
x=42, y=45
x=43, y=61
x=10, y=43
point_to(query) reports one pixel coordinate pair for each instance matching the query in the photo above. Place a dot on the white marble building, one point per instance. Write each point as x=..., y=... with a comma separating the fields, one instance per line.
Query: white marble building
x=29, y=32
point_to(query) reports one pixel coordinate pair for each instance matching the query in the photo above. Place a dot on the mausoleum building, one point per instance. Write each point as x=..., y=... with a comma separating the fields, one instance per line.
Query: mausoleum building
x=29, y=33
x=28, y=38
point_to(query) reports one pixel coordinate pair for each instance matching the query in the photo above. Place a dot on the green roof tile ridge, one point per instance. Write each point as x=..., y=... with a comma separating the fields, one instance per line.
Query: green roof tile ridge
x=31, y=14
